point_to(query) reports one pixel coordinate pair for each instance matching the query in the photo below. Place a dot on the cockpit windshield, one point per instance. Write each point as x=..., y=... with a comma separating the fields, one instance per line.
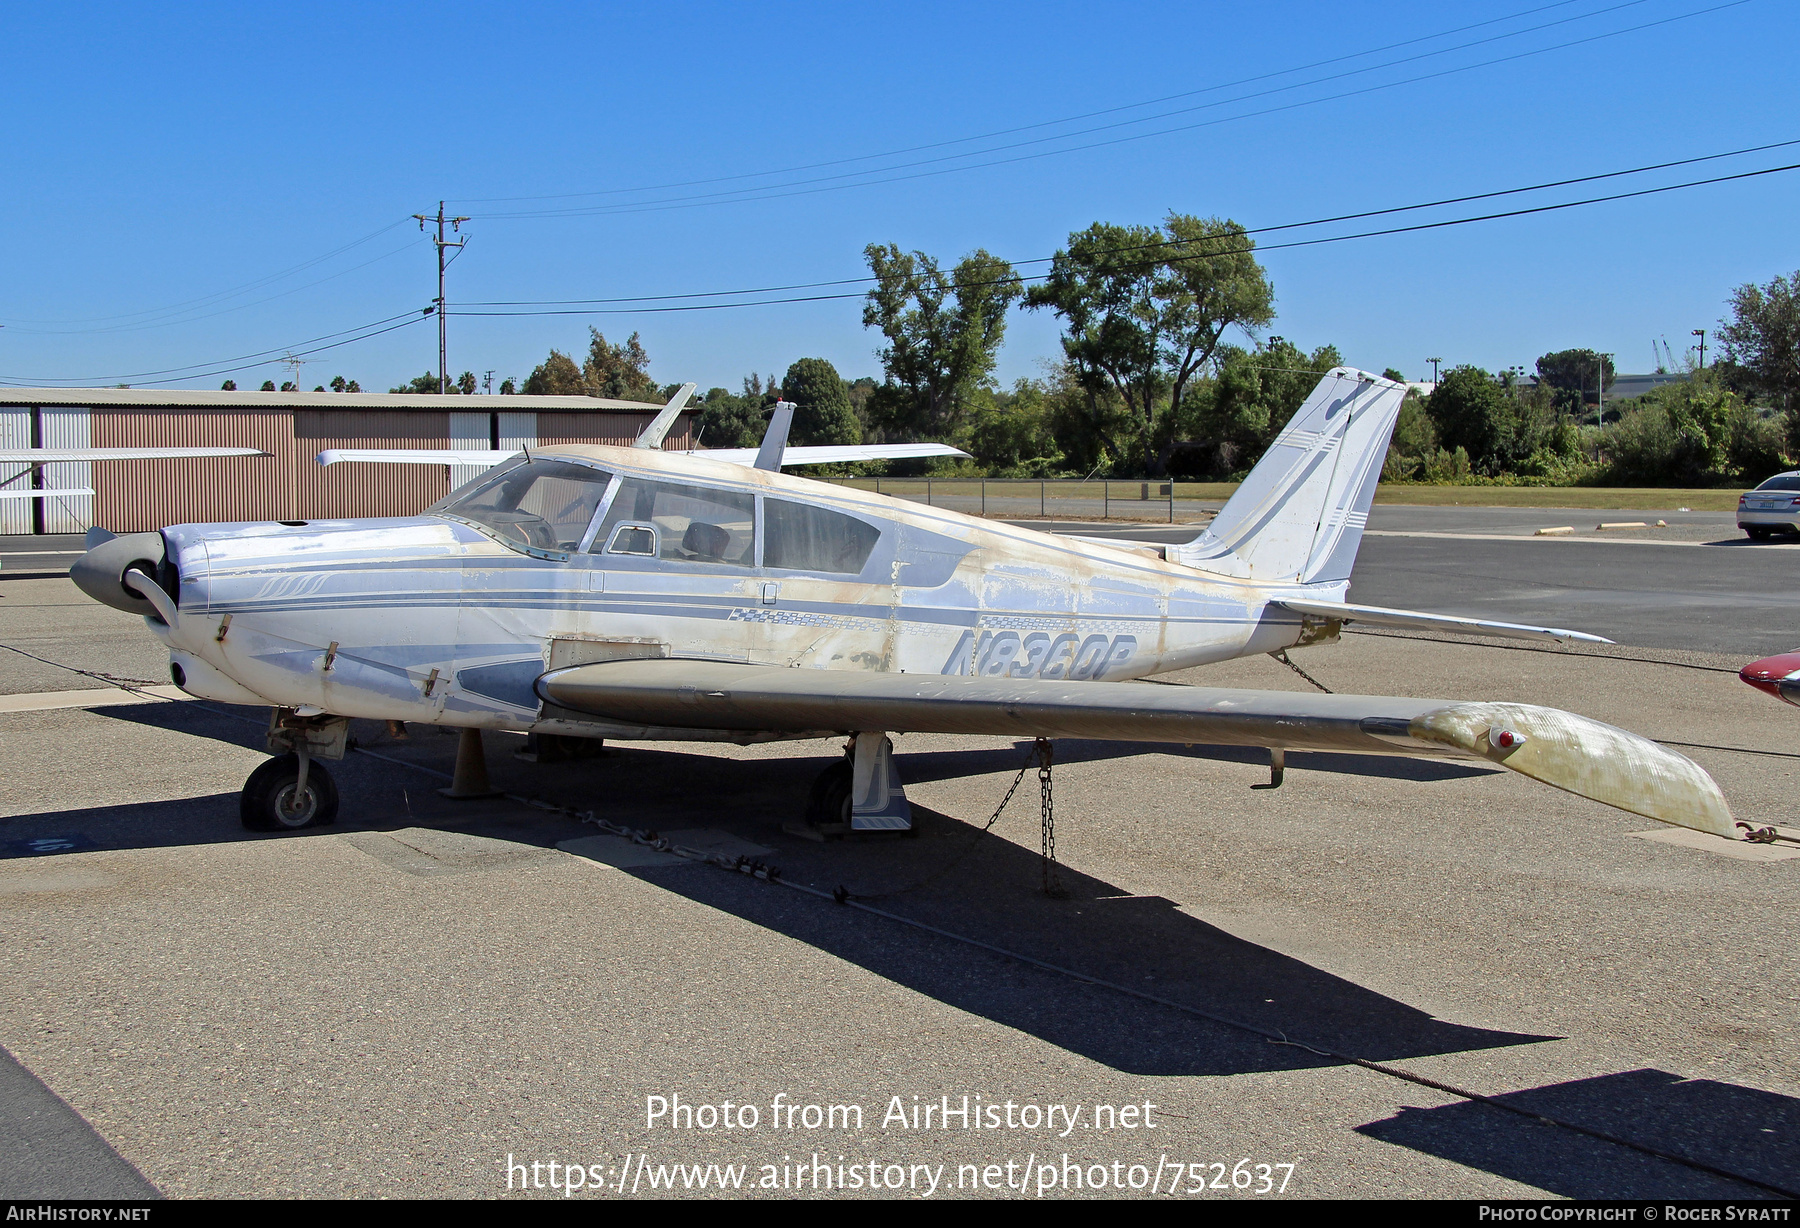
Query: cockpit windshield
x=538, y=504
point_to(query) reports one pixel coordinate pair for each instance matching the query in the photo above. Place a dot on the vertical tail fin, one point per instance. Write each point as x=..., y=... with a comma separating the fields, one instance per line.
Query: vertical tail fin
x=1299, y=515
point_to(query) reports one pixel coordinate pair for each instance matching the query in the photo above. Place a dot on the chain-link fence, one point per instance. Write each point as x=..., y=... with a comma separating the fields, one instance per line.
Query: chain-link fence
x=1069, y=499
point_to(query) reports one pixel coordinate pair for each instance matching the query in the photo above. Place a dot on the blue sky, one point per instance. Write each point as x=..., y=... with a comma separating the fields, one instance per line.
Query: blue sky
x=158, y=157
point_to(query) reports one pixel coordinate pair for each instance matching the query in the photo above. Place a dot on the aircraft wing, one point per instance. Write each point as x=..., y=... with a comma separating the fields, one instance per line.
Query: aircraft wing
x=1380, y=616
x=415, y=456
x=825, y=455
x=836, y=454
x=1570, y=752
x=47, y=456
x=45, y=494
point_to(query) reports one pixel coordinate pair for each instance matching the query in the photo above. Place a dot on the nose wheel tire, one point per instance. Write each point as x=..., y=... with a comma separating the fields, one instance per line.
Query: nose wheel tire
x=269, y=801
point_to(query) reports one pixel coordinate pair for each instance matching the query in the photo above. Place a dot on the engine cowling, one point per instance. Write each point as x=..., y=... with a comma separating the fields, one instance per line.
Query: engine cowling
x=100, y=573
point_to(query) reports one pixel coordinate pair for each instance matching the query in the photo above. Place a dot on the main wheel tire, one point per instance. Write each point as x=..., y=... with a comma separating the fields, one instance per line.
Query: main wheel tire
x=828, y=804
x=570, y=746
x=1756, y=533
x=267, y=802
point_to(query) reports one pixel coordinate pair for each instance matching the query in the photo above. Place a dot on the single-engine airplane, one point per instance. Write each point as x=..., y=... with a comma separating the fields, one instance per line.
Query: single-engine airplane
x=633, y=593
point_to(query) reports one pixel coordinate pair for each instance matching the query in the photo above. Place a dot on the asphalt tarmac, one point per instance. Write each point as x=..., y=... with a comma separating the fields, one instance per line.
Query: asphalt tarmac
x=398, y=1004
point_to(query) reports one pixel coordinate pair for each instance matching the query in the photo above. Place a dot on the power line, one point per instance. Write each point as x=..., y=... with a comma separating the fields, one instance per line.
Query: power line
x=316, y=350
x=267, y=357
x=248, y=286
x=801, y=188
x=1342, y=217
x=1068, y=119
x=194, y=319
x=1367, y=234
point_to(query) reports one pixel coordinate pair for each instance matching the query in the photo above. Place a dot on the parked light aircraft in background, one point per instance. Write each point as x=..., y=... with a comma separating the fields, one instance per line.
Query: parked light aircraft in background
x=34, y=459
x=601, y=592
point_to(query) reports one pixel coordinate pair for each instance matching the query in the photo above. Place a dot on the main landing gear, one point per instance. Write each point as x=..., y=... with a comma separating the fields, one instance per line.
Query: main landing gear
x=860, y=792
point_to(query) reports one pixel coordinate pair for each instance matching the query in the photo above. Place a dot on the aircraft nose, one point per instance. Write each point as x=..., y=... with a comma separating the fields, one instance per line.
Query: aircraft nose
x=100, y=573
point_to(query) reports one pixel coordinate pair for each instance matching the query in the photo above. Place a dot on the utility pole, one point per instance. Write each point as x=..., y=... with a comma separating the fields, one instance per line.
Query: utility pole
x=1600, y=390
x=442, y=243
x=295, y=364
x=487, y=383
x=1434, y=370
x=1701, y=333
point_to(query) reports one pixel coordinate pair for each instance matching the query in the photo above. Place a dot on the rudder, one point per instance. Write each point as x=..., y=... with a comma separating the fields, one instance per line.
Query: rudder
x=1299, y=515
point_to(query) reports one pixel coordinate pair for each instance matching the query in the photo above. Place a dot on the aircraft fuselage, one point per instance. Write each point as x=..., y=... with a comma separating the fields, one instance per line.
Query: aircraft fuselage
x=435, y=618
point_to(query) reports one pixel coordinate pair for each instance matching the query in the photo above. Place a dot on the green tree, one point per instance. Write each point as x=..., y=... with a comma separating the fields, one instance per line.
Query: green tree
x=465, y=384
x=1254, y=395
x=1762, y=341
x=1393, y=374
x=618, y=372
x=419, y=385
x=1145, y=308
x=822, y=412
x=556, y=376
x=1574, y=374
x=1012, y=434
x=1470, y=411
x=942, y=332
x=229, y=385
x=340, y=384
x=268, y=385
x=729, y=420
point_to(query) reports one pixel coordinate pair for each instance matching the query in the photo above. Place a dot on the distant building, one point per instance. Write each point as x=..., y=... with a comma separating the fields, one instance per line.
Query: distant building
x=1624, y=386
x=293, y=428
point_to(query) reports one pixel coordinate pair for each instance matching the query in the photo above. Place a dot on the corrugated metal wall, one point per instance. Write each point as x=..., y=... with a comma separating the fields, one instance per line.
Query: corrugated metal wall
x=470, y=432
x=63, y=427
x=289, y=483
x=355, y=490
x=15, y=432
x=619, y=430
x=134, y=496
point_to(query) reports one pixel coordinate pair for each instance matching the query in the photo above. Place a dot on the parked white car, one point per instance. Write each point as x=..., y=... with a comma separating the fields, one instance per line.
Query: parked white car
x=1773, y=507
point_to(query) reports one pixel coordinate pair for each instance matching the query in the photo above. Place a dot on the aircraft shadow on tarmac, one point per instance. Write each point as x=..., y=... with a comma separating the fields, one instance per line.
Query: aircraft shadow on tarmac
x=1737, y=1129
x=988, y=888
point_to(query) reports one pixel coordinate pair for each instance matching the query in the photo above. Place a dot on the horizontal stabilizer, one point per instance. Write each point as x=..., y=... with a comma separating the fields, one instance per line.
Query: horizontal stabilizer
x=1379, y=616
x=1570, y=752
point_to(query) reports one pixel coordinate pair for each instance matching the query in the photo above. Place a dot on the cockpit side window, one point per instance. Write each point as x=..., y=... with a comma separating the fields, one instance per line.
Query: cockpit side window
x=537, y=504
x=803, y=537
x=694, y=524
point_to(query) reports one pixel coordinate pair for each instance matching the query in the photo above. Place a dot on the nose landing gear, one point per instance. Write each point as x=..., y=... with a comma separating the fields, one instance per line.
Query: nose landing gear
x=293, y=789
x=278, y=798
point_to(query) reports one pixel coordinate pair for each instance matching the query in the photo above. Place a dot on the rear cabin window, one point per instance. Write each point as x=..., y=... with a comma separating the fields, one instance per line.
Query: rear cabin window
x=543, y=504
x=1783, y=481
x=801, y=537
x=680, y=523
